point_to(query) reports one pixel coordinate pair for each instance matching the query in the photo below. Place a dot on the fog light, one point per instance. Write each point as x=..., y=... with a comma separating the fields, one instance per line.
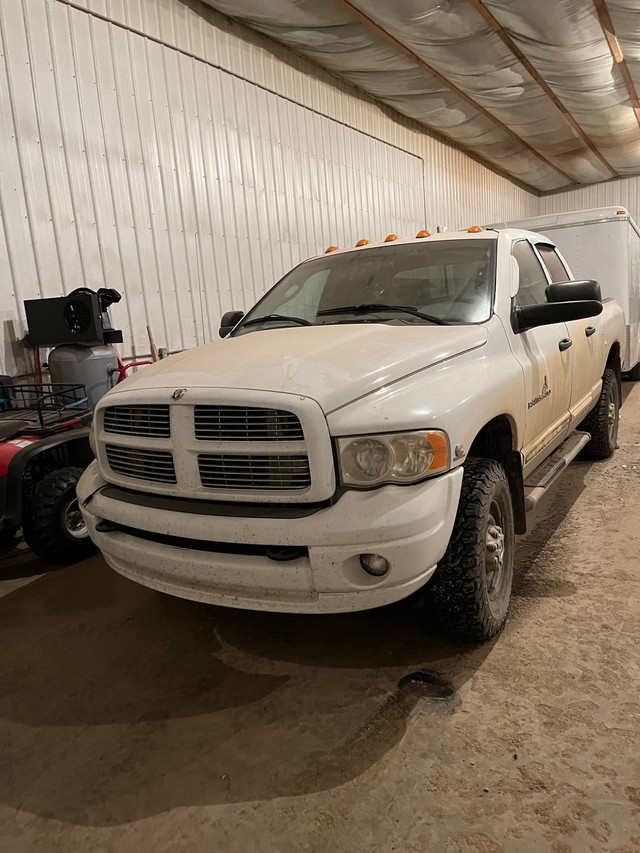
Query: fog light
x=374, y=564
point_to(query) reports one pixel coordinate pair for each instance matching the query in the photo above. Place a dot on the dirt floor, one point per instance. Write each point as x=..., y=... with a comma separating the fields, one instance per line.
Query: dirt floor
x=132, y=721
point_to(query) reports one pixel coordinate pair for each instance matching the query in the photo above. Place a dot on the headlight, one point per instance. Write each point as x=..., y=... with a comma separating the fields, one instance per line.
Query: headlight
x=400, y=457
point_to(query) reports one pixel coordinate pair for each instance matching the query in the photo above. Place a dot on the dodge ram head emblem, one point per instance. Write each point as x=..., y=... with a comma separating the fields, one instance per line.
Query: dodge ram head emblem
x=178, y=393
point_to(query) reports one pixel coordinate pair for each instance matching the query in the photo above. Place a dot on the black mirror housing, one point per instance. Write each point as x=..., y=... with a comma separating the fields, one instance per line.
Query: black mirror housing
x=229, y=321
x=546, y=313
x=573, y=291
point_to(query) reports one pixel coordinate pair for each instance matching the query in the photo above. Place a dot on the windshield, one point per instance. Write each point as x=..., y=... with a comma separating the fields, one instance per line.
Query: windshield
x=445, y=282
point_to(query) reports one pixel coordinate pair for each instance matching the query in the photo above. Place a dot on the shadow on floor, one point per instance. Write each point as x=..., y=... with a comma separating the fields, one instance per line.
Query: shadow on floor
x=117, y=703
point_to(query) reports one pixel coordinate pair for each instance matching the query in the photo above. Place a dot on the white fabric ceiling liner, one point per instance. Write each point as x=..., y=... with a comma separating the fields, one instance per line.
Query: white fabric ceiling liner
x=524, y=134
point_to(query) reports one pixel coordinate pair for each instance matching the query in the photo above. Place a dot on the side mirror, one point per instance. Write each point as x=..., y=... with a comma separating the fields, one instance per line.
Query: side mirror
x=546, y=313
x=572, y=291
x=229, y=321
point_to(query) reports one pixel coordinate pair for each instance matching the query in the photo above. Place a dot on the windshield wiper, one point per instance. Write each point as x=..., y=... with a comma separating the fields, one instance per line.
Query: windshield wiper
x=299, y=320
x=379, y=306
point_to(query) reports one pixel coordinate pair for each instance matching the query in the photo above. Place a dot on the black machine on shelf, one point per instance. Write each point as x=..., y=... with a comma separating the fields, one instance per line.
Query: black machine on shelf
x=82, y=317
x=79, y=328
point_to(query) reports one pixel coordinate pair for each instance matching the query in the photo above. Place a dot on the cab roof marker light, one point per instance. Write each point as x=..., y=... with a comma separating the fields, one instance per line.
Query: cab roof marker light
x=475, y=229
x=331, y=249
x=423, y=233
x=390, y=238
x=621, y=212
x=362, y=243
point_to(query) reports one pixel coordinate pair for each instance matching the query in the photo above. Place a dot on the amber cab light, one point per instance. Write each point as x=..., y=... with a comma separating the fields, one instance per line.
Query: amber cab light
x=390, y=238
x=331, y=249
x=474, y=229
x=423, y=233
x=362, y=243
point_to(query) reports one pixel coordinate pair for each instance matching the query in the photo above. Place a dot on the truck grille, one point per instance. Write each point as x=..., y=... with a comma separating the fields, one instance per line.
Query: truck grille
x=237, y=423
x=154, y=465
x=230, y=471
x=150, y=421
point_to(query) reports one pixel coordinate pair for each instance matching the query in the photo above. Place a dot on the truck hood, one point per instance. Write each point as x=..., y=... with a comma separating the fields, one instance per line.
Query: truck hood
x=333, y=364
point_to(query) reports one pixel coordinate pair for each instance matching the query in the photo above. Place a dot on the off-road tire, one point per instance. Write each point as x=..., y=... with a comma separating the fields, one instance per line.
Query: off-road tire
x=604, y=432
x=467, y=598
x=45, y=523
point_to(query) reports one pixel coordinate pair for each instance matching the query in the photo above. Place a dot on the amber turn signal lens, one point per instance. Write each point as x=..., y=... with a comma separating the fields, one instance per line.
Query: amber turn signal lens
x=440, y=447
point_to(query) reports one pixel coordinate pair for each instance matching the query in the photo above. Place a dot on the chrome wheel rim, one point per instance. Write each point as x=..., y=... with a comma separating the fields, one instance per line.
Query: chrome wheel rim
x=74, y=525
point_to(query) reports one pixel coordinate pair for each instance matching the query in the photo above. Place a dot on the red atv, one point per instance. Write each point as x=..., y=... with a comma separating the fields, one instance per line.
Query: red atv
x=44, y=448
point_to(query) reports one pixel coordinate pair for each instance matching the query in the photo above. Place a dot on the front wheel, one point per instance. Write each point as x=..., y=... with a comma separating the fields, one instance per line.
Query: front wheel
x=471, y=587
x=602, y=420
x=53, y=526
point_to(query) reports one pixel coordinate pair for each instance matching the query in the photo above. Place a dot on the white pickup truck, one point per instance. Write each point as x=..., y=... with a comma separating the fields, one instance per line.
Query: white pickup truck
x=380, y=422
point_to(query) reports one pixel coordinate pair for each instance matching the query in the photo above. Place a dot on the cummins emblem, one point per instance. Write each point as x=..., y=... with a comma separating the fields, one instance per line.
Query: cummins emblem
x=544, y=393
x=178, y=393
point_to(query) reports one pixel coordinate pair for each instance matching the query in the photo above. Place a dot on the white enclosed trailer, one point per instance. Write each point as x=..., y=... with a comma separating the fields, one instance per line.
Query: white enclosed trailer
x=602, y=244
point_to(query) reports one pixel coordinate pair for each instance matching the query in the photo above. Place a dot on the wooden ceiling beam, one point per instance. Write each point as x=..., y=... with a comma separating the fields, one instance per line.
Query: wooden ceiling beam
x=506, y=39
x=401, y=48
x=616, y=53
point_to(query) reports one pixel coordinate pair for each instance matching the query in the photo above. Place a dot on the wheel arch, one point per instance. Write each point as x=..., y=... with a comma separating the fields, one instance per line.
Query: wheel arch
x=614, y=362
x=497, y=440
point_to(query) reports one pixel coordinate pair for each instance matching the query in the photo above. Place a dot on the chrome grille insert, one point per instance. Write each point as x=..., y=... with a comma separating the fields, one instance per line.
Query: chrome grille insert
x=154, y=465
x=230, y=471
x=150, y=421
x=237, y=423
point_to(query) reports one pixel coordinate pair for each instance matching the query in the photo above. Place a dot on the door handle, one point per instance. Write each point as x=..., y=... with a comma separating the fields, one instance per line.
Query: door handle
x=564, y=344
x=590, y=330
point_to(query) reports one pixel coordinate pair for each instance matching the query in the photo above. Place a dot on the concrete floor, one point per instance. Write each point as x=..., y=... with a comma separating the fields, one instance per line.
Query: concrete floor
x=132, y=721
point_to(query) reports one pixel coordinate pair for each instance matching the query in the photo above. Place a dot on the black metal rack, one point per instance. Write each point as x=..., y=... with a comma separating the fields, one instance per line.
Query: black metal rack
x=44, y=405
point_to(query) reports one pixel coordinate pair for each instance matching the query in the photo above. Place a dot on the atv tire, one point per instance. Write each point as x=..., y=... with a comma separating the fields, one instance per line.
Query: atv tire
x=53, y=526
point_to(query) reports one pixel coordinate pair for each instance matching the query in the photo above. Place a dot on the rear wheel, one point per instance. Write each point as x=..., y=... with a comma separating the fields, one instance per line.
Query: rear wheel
x=53, y=526
x=602, y=420
x=471, y=587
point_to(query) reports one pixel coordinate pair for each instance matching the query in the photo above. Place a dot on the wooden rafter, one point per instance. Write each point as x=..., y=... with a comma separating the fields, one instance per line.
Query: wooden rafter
x=506, y=39
x=616, y=52
x=401, y=48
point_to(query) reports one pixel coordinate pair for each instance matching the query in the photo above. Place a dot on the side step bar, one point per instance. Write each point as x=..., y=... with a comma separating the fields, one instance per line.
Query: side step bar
x=539, y=480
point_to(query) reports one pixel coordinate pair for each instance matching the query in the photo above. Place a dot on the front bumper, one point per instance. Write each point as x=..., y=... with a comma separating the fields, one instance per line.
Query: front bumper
x=409, y=525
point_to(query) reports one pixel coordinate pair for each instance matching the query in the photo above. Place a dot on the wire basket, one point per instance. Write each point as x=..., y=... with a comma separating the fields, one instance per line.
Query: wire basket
x=44, y=405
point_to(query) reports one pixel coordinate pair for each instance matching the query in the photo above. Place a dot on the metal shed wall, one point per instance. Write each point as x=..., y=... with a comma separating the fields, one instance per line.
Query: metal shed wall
x=160, y=149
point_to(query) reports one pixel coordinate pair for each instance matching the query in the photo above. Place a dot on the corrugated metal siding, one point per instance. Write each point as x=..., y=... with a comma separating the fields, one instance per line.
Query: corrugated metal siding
x=192, y=168
x=625, y=192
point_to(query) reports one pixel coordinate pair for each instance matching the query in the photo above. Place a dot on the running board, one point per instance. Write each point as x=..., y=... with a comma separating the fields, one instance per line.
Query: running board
x=539, y=480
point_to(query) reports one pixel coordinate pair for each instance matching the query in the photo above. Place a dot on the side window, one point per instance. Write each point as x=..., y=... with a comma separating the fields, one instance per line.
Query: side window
x=553, y=263
x=532, y=278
